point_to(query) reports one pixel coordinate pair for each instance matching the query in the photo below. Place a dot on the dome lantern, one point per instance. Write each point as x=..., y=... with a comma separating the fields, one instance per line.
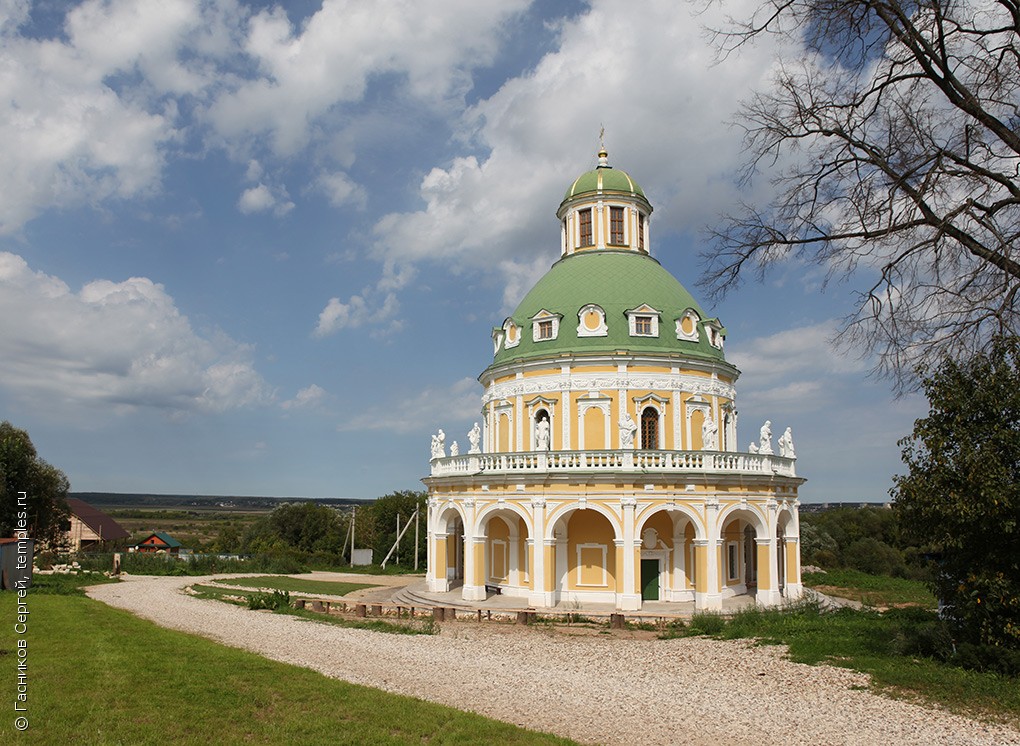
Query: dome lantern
x=604, y=209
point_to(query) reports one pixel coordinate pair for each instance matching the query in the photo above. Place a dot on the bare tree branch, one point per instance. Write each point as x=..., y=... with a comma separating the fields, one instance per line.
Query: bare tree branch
x=897, y=140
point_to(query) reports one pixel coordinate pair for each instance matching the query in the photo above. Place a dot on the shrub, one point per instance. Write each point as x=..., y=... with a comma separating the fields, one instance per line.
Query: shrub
x=272, y=601
x=707, y=623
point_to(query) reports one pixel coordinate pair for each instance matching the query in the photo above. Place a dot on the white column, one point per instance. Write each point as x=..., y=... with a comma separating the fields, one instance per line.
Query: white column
x=630, y=599
x=540, y=596
x=566, y=408
x=712, y=597
x=519, y=428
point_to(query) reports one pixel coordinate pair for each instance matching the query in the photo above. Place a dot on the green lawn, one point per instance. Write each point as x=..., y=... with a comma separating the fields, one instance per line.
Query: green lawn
x=420, y=625
x=297, y=585
x=888, y=645
x=99, y=675
x=872, y=590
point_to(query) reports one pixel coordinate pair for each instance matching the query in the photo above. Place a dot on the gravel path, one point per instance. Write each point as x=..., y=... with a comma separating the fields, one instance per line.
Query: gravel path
x=595, y=689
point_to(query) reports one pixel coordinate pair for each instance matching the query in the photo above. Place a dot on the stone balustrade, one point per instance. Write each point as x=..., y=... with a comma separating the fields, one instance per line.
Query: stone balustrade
x=539, y=462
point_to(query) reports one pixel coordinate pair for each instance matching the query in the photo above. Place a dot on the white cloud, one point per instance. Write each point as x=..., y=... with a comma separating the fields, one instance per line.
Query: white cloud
x=305, y=73
x=341, y=190
x=75, y=125
x=649, y=77
x=795, y=367
x=121, y=344
x=425, y=411
x=93, y=113
x=356, y=312
x=309, y=397
x=261, y=198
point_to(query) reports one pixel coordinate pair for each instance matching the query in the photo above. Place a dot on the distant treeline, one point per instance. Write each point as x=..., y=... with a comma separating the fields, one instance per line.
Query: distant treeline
x=127, y=500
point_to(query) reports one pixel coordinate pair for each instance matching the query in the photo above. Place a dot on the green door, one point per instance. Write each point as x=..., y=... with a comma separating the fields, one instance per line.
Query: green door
x=650, y=579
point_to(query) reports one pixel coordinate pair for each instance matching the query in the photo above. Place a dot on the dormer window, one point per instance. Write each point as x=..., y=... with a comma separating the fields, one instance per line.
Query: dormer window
x=687, y=326
x=511, y=334
x=545, y=325
x=591, y=322
x=584, y=217
x=616, y=226
x=716, y=333
x=644, y=321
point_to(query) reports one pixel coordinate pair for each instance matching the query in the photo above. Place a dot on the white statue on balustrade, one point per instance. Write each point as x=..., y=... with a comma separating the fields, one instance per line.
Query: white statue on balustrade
x=709, y=434
x=542, y=435
x=628, y=429
x=765, y=442
x=786, y=444
x=454, y=449
x=474, y=436
x=753, y=448
x=439, y=445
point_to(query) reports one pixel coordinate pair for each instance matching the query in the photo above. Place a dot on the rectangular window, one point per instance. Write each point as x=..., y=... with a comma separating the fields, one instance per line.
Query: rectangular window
x=545, y=329
x=586, y=237
x=731, y=561
x=616, y=226
x=640, y=232
x=643, y=325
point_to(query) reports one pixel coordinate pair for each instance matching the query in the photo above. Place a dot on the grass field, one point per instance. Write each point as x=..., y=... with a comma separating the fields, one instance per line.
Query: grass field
x=296, y=585
x=872, y=590
x=881, y=644
x=99, y=675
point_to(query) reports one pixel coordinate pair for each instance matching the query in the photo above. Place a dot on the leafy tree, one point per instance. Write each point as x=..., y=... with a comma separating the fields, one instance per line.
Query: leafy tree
x=962, y=493
x=21, y=470
x=306, y=526
x=384, y=525
x=895, y=148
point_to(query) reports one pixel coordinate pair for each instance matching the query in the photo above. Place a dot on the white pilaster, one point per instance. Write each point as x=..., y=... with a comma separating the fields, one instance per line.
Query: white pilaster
x=630, y=599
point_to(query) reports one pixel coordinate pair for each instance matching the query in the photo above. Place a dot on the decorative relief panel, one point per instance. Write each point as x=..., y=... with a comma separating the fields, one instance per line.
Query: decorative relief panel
x=605, y=382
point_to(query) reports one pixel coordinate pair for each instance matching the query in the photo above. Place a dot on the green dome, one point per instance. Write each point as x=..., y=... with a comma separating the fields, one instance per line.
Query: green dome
x=617, y=282
x=603, y=179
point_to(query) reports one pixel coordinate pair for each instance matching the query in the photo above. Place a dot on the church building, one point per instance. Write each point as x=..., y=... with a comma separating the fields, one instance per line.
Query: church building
x=606, y=467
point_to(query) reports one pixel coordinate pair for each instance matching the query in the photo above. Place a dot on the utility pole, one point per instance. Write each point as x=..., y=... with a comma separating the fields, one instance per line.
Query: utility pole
x=396, y=558
x=416, y=541
x=354, y=511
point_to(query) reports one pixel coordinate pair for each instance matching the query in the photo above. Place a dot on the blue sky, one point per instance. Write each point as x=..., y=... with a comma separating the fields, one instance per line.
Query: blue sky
x=258, y=248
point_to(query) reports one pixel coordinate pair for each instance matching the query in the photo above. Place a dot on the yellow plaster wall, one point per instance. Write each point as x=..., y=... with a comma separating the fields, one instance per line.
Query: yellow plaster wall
x=595, y=430
x=697, y=420
x=589, y=527
x=504, y=443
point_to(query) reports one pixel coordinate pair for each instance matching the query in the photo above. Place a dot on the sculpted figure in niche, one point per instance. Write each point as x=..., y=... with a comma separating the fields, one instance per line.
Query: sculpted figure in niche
x=474, y=436
x=542, y=435
x=439, y=445
x=454, y=449
x=786, y=444
x=709, y=434
x=765, y=442
x=627, y=431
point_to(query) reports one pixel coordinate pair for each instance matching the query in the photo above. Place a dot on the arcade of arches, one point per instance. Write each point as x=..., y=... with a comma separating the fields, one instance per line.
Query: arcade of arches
x=604, y=465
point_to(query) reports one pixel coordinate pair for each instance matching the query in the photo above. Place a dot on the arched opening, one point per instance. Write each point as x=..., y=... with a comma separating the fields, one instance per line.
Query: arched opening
x=452, y=548
x=650, y=428
x=507, y=560
x=585, y=557
x=739, y=567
